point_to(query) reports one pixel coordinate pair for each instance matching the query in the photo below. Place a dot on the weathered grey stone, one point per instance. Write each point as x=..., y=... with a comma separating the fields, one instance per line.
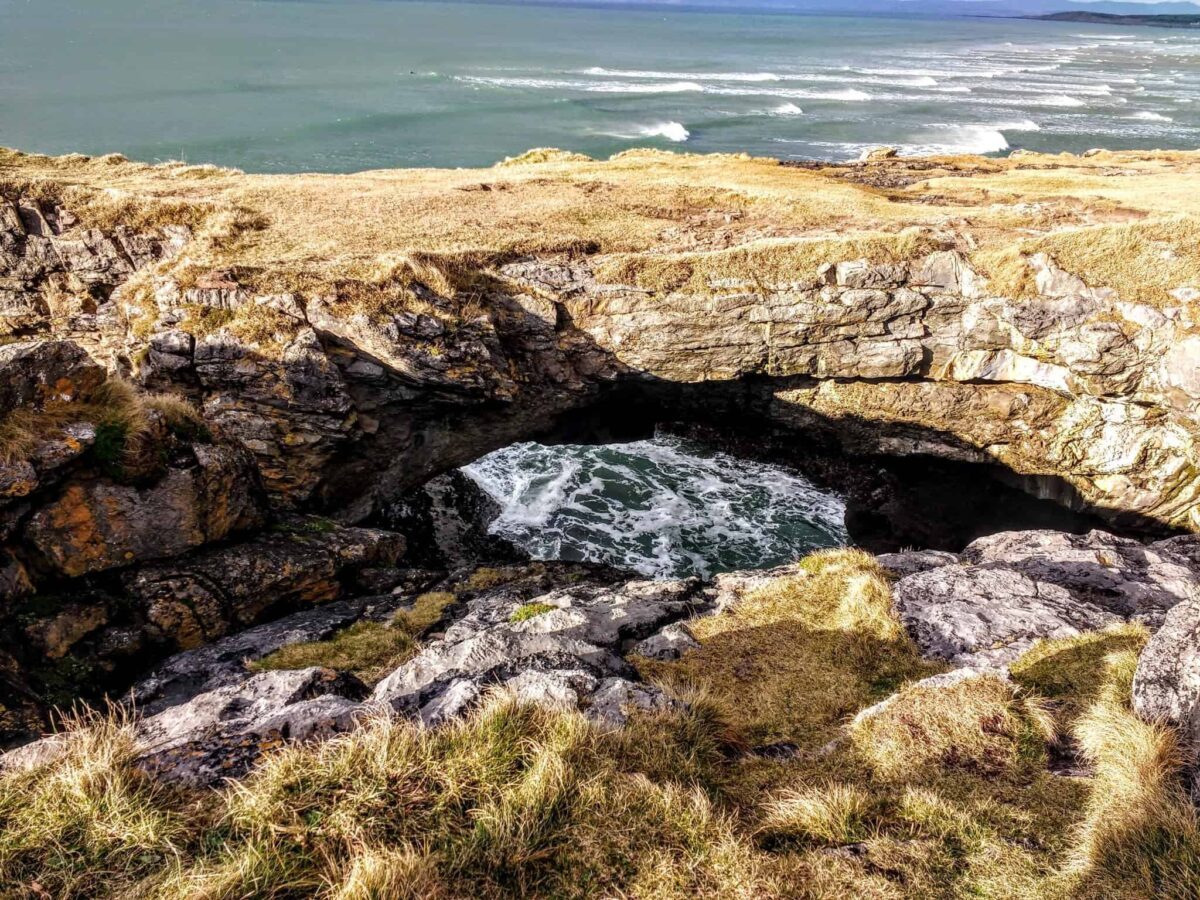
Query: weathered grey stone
x=910, y=562
x=221, y=733
x=1134, y=580
x=559, y=657
x=1166, y=686
x=1014, y=588
x=223, y=662
x=615, y=698
x=488, y=658
x=669, y=643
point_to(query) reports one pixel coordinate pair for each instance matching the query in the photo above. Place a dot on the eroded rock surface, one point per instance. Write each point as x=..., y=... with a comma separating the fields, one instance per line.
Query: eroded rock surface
x=1166, y=687
x=560, y=647
x=1011, y=589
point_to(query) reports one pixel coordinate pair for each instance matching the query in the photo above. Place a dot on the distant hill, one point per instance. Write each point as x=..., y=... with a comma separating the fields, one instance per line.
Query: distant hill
x=1095, y=18
x=921, y=8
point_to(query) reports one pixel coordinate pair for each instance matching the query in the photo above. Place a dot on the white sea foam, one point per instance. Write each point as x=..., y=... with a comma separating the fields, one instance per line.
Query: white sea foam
x=1150, y=116
x=786, y=109
x=1063, y=101
x=595, y=87
x=671, y=131
x=851, y=95
x=661, y=507
x=865, y=78
x=681, y=76
x=963, y=139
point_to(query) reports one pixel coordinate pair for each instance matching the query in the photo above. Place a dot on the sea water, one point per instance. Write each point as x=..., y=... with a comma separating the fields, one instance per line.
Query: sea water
x=665, y=507
x=342, y=85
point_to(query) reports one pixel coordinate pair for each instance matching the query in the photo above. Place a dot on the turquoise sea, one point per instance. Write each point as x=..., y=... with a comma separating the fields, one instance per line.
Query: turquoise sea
x=341, y=85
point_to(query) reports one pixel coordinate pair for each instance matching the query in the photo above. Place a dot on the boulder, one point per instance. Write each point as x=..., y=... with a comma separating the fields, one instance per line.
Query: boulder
x=446, y=522
x=221, y=733
x=198, y=598
x=1166, y=686
x=1014, y=588
x=95, y=524
x=878, y=154
x=34, y=373
x=670, y=643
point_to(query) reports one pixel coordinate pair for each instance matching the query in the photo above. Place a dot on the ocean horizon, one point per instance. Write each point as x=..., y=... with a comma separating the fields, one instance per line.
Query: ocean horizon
x=273, y=86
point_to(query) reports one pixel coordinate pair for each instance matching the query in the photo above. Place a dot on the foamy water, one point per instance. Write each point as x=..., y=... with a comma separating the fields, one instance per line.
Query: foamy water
x=337, y=85
x=662, y=507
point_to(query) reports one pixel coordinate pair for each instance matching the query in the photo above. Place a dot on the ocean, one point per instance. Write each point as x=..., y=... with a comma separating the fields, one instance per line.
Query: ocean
x=345, y=85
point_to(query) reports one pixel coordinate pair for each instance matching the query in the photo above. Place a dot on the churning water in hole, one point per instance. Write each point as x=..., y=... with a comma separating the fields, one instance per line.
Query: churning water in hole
x=663, y=507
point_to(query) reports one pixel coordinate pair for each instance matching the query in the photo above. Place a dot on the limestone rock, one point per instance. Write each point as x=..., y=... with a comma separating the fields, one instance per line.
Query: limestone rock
x=669, y=643
x=561, y=655
x=1013, y=588
x=219, y=734
x=1166, y=686
x=94, y=525
x=911, y=562
x=201, y=597
x=223, y=662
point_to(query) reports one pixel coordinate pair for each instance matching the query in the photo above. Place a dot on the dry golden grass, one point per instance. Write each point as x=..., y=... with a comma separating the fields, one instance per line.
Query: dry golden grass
x=661, y=220
x=977, y=725
x=833, y=814
x=127, y=437
x=944, y=795
x=827, y=636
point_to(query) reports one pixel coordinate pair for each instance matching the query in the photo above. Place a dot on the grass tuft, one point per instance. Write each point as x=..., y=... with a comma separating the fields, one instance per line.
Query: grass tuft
x=527, y=611
x=833, y=814
x=976, y=724
x=368, y=650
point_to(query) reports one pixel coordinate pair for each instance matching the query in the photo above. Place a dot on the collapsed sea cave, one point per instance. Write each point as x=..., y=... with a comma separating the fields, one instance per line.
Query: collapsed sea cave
x=695, y=480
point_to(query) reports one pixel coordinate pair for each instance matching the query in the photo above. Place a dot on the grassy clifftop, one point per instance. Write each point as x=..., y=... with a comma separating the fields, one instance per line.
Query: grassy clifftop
x=664, y=221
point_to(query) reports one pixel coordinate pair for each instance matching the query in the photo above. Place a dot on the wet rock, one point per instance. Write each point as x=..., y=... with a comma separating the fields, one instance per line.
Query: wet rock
x=1013, y=588
x=1166, y=686
x=446, y=522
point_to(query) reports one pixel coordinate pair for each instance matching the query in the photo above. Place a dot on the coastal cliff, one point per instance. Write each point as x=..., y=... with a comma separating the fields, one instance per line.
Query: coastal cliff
x=217, y=388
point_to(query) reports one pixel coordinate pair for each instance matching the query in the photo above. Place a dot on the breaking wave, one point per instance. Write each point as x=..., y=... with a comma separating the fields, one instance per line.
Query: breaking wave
x=671, y=131
x=662, y=507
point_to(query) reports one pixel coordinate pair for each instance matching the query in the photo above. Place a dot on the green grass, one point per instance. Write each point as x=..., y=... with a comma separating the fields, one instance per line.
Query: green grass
x=527, y=611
